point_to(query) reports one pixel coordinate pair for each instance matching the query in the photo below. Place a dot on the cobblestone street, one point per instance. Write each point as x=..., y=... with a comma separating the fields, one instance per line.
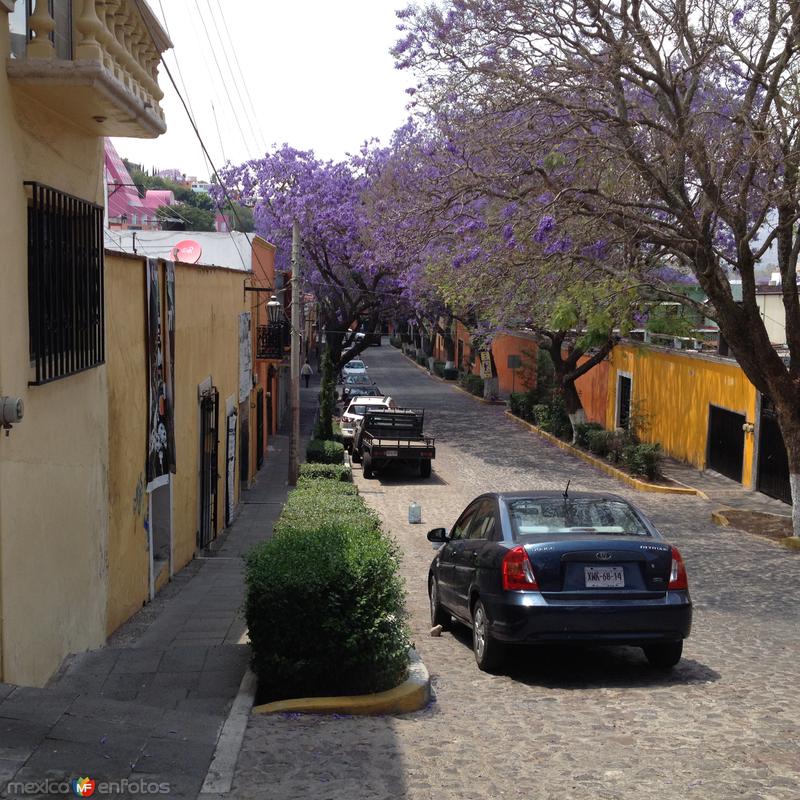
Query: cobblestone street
x=560, y=724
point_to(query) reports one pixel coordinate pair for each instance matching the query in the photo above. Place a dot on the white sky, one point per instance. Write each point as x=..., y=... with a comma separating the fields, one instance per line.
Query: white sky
x=319, y=74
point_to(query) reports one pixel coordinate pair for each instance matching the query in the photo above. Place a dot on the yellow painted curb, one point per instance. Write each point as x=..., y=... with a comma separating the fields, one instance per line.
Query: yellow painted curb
x=411, y=695
x=641, y=486
x=719, y=518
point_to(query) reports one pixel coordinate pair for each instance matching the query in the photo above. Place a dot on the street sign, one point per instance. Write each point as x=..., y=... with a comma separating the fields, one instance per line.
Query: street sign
x=486, y=365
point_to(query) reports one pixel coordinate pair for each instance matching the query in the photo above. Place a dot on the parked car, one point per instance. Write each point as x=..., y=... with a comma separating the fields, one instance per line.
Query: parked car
x=538, y=567
x=359, y=390
x=354, y=367
x=358, y=379
x=355, y=411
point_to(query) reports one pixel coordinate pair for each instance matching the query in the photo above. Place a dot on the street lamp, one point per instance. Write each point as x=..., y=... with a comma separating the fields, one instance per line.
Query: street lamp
x=274, y=310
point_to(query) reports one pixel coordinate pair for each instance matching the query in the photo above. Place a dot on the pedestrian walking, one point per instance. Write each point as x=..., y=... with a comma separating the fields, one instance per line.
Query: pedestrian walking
x=306, y=372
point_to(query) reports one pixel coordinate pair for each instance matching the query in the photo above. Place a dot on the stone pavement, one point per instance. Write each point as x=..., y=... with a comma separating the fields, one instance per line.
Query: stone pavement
x=149, y=706
x=559, y=724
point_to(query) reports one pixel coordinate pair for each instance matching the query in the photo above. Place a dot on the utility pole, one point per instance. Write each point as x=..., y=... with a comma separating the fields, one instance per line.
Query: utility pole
x=294, y=440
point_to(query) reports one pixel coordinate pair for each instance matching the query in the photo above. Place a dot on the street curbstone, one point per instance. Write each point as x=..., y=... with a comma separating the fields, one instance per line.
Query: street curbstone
x=639, y=485
x=411, y=695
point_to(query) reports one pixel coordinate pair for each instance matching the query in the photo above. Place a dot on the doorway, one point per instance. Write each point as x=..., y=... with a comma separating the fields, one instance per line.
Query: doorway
x=624, y=394
x=209, y=477
x=773, y=461
x=725, y=442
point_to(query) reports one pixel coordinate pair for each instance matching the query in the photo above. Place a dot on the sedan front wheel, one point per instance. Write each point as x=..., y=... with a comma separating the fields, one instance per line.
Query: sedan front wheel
x=438, y=615
x=488, y=651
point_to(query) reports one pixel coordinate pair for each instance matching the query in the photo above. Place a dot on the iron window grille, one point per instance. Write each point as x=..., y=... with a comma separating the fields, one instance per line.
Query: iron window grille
x=65, y=283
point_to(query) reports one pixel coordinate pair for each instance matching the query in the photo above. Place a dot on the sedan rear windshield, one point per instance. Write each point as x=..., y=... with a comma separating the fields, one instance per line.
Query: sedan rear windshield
x=361, y=408
x=354, y=365
x=358, y=379
x=555, y=515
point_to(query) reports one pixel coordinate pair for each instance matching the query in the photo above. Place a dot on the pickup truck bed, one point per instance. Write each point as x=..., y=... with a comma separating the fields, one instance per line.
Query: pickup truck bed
x=387, y=436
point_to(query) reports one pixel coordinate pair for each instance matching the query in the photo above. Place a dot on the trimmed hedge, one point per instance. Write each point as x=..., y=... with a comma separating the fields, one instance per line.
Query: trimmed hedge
x=325, y=603
x=643, y=459
x=324, y=451
x=582, y=431
x=438, y=368
x=334, y=472
x=450, y=374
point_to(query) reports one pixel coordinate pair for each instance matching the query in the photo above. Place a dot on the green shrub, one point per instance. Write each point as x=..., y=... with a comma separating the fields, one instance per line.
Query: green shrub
x=336, y=432
x=598, y=442
x=438, y=368
x=643, y=459
x=325, y=451
x=582, y=431
x=325, y=603
x=334, y=472
x=516, y=403
x=325, y=487
x=450, y=374
x=422, y=360
x=472, y=383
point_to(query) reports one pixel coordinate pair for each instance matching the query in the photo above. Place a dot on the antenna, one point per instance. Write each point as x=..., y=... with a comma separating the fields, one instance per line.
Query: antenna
x=566, y=491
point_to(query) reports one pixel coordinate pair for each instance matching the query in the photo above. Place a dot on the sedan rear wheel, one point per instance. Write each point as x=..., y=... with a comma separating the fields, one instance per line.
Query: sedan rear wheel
x=368, y=473
x=438, y=615
x=664, y=655
x=488, y=651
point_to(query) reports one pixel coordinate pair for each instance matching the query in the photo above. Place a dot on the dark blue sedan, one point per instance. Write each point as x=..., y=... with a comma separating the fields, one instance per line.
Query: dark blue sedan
x=538, y=567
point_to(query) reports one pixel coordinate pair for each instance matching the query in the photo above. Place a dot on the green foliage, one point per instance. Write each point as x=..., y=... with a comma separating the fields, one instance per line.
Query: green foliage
x=333, y=472
x=450, y=374
x=545, y=373
x=552, y=417
x=325, y=451
x=422, y=360
x=643, y=459
x=438, y=368
x=325, y=488
x=599, y=441
x=324, y=426
x=669, y=319
x=185, y=217
x=582, y=431
x=325, y=603
x=472, y=383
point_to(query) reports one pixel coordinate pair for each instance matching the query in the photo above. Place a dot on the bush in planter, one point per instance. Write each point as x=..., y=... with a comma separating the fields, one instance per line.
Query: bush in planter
x=599, y=442
x=325, y=488
x=643, y=459
x=516, y=403
x=438, y=368
x=582, y=431
x=333, y=472
x=472, y=383
x=325, y=451
x=450, y=374
x=422, y=361
x=324, y=602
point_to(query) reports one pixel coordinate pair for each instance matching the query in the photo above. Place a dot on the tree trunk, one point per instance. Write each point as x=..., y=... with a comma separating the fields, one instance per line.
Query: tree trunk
x=789, y=422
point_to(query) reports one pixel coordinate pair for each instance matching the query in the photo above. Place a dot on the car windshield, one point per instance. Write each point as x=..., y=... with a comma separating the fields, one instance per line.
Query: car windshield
x=537, y=515
x=358, y=379
x=361, y=408
x=354, y=365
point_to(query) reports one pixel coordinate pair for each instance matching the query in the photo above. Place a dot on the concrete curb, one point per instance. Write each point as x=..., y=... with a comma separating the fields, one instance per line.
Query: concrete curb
x=718, y=517
x=219, y=777
x=411, y=695
x=635, y=483
x=454, y=384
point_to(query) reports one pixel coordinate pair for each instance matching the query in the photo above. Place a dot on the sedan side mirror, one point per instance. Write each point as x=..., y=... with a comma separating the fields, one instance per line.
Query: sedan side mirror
x=437, y=535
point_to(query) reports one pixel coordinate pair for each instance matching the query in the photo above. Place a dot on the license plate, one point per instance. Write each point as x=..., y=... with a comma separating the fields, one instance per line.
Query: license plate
x=604, y=577
x=391, y=454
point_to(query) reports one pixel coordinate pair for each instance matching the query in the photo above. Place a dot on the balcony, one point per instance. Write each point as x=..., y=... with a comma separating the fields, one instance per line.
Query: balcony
x=94, y=62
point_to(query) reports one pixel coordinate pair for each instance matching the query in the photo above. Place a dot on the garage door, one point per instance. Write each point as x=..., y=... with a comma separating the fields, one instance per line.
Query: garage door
x=725, y=442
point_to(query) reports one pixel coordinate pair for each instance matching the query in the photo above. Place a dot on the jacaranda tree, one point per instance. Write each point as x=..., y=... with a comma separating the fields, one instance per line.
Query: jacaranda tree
x=675, y=123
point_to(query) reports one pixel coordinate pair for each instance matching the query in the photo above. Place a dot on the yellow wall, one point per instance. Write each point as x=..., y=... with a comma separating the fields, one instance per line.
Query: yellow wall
x=208, y=302
x=53, y=466
x=673, y=391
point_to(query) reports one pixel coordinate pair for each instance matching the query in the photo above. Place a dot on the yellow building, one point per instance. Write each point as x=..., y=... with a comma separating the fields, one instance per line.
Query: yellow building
x=67, y=81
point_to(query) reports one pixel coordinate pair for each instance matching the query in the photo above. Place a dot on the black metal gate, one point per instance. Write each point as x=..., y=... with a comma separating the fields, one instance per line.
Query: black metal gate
x=259, y=427
x=725, y=442
x=624, y=387
x=773, y=462
x=209, y=477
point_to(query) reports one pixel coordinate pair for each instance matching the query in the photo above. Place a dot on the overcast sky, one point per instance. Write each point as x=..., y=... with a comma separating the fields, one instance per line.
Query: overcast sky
x=318, y=73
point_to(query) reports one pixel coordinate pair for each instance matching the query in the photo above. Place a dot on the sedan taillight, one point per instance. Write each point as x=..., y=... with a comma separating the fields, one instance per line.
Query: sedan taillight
x=677, y=575
x=518, y=572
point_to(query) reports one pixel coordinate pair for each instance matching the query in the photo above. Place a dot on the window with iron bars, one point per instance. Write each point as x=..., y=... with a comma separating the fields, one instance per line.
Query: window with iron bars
x=65, y=284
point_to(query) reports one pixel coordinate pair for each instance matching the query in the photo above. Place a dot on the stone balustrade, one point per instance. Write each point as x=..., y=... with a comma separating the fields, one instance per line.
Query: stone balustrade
x=120, y=39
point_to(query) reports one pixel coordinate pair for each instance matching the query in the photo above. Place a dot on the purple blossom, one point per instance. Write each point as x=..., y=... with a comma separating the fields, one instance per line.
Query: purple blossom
x=561, y=245
x=508, y=233
x=546, y=225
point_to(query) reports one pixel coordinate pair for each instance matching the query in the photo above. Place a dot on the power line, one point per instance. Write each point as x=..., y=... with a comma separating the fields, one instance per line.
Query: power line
x=234, y=50
x=222, y=77
x=233, y=77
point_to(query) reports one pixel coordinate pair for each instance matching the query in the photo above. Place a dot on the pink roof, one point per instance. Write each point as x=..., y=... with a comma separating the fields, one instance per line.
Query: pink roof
x=123, y=196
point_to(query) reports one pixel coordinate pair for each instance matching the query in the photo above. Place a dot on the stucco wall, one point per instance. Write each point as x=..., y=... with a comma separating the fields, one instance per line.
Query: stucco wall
x=53, y=466
x=208, y=302
x=673, y=390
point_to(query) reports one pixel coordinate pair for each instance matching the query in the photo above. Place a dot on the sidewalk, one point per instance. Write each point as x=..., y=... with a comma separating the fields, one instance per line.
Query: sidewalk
x=150, y=705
